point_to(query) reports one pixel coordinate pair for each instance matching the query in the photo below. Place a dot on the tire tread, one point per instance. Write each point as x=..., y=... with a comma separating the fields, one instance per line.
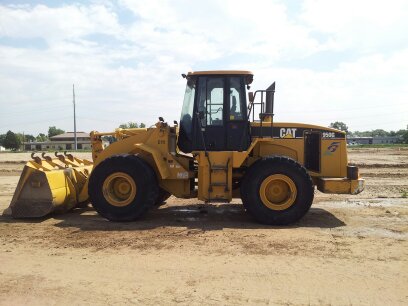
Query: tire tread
x=130, y=164
x=264, y=167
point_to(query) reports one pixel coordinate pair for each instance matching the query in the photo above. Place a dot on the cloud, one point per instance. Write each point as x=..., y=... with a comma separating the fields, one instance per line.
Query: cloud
x=125, y=58
x=364, y=26
x=57, y=24
x=367, y=93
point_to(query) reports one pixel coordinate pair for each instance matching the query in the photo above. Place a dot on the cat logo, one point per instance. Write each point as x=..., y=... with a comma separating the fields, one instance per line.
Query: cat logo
x=287, y=133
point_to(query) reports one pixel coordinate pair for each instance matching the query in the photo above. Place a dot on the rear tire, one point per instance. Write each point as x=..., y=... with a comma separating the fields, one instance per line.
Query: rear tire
x=277, y=191
x=123, y=188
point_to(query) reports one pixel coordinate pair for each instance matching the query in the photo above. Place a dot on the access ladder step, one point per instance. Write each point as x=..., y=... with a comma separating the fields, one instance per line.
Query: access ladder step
x=219, y=184
x=219, y=168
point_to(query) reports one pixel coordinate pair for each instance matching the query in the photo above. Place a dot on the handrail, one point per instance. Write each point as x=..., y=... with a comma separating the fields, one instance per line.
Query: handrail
x=251, y=108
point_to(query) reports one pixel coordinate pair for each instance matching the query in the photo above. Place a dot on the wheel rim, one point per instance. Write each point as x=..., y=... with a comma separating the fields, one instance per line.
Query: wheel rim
x=278, y=192
x=119, y=189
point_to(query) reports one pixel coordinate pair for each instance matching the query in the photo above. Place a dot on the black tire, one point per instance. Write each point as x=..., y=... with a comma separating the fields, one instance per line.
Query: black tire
x=142, y=175
x=162, y=196
x=264, y=169
x=83, y=204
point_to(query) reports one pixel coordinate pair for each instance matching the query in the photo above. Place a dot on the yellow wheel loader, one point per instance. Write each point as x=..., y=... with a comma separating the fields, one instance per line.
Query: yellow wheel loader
x=225, y=146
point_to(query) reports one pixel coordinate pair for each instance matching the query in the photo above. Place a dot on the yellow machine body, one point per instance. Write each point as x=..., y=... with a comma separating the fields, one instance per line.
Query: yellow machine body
x=58, y=184
x=157, y=146
x=216, y=172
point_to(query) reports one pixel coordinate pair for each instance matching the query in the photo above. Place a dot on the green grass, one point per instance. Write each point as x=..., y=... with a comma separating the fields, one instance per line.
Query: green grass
x=390, y=145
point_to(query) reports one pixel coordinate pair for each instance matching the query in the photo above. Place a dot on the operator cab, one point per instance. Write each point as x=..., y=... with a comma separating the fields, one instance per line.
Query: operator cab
x=214, y=112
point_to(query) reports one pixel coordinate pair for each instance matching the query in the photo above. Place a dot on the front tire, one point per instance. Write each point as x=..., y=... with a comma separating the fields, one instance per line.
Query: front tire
x=277, y=191
x=162, y=196
x=123, y=188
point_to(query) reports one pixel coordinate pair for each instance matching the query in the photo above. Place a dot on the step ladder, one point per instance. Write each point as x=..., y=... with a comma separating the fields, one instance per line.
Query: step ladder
x=219, y=181
x=216, y=168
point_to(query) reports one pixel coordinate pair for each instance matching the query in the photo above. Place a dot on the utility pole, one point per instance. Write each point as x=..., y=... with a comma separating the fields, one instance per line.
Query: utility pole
x=75, y=135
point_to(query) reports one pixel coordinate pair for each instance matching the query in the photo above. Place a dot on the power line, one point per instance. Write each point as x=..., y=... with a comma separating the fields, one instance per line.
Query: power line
x=36, y=110
x=39, y=101
x=370, y=116
x=37, y=122
x=345, y=109
x=387, y=123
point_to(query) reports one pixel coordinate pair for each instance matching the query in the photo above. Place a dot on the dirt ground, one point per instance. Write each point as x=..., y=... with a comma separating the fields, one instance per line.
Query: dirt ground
x=348, y=250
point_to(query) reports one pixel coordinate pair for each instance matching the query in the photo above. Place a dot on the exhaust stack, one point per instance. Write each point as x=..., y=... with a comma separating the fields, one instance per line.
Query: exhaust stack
x=267, y=115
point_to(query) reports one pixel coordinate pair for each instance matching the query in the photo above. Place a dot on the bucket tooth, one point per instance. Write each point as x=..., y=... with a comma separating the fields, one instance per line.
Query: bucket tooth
x=50, y=186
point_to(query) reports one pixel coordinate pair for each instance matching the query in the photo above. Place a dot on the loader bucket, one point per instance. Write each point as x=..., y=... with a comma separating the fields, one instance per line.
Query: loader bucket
x=50, y=185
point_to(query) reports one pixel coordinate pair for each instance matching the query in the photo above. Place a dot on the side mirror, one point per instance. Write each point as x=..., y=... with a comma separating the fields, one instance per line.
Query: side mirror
x=251, y=96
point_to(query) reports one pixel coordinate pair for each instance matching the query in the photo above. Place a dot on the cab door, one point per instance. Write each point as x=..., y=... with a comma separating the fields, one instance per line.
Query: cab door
x=237, y=125
x=221, y=122
x=211, y=118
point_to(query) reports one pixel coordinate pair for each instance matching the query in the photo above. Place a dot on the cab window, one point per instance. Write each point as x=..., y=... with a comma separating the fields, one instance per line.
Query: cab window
x=211, y=101
x=235, y=100
x=215, y=101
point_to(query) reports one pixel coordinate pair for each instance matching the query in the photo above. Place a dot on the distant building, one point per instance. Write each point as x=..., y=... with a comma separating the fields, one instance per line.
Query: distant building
x=61, y=142
x=359, y=140
x=2, y=148
x=387, y=139
x=374, y=140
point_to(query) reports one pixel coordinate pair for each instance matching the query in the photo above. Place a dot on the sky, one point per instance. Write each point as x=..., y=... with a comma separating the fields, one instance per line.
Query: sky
x=332, y=60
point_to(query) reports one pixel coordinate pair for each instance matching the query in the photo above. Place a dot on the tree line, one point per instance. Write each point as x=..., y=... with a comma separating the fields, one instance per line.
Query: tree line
x=402, y=133
x=13, y=141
